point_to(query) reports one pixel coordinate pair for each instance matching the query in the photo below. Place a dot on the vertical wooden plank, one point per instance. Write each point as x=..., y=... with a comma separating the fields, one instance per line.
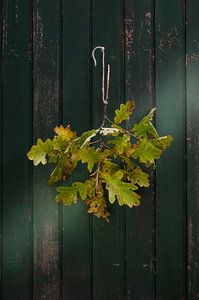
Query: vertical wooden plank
x=76, y=112
x=108, y=239
x=1, y=138
x=171, y=180
x=193, y=149
x=46, y=116
x=15, y=190
x=139, y=85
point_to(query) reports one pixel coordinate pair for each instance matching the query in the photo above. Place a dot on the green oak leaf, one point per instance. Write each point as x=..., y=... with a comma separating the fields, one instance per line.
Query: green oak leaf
x=62, y=170
x=146, y=152
x=82, y=189
x=120, y=190
x=53, y=159
x=137, y=176
x=134, y=173
x=145, y=127
x=39, y=151
x=97, y=207
x=120, y=142
x=163, y=142
x=67, y=195
x=56, y=175
x=108, y=167
x=89, y=155
x=124, y=112
x=81, y=141
x=60, y=143
x=91, y=185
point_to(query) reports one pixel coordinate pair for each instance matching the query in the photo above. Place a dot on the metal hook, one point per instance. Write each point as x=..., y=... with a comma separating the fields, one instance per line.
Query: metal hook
x=93, y=54
x=103, y=69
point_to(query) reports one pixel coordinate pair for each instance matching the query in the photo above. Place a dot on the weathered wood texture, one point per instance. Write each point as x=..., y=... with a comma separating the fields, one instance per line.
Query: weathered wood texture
x=76, y=112
x=45, y=63
x=171, y=171
x=192, y=51
x=15, y=139
x=108, y=241
x=139, y=85
x=47, y=77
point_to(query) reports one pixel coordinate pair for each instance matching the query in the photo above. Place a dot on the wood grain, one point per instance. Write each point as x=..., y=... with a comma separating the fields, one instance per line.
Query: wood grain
x=15, y=142
x=46, y=116
x=46, y=78
x=171, y=170
x=139, y=85
x=108, y=239
x=192, y=150
x=77, y=113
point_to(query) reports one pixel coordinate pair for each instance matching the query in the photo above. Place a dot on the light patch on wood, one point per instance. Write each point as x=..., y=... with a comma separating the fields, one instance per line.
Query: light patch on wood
x=190, y=250
x=5, y=32
x=133, y=38
x=129, y=50
x=45, y=99
x=16, y=12
x=47, y=250
x=146, y=24
x=38, y=33
x=129, y=37
x=46, y=262
x=152, y=267
x=130, y=33
x=193, y=57
x=168, y=39
x=45, y=76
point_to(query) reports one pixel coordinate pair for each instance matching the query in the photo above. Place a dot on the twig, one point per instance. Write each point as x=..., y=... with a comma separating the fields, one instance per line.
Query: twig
x=98, y=169
x=108, y=82
x=104, y=100
x=126, y=131
x=104, y=145
x=95, y=142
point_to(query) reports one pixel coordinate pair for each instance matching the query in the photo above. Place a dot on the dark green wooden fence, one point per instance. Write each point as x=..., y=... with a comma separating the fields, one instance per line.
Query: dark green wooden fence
x=47, y=78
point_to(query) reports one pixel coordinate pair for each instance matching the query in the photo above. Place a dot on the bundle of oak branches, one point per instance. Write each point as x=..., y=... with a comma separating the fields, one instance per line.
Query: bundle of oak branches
x=113, y=156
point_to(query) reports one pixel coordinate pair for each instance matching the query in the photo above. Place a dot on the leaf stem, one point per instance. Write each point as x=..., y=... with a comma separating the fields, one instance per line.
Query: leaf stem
x=95, y=142
x=98, y=168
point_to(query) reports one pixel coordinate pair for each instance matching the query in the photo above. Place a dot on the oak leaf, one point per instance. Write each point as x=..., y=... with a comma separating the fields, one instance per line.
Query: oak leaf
x=122, y=191
x=124, y=112
x=65, y=132
x=145, y=128
x=39, y=152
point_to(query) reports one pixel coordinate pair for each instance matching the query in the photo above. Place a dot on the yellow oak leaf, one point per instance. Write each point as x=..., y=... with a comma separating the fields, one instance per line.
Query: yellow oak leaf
x=65, y=132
